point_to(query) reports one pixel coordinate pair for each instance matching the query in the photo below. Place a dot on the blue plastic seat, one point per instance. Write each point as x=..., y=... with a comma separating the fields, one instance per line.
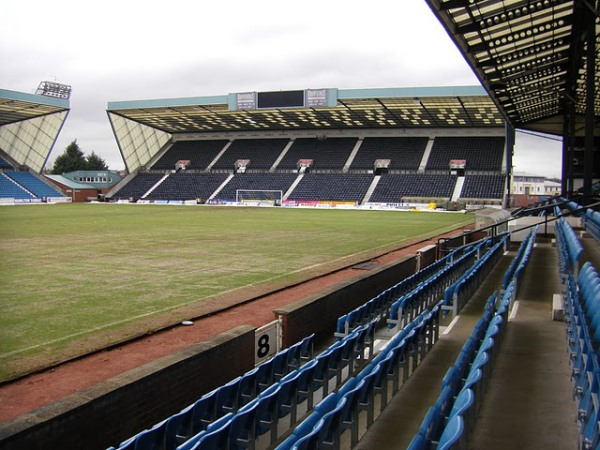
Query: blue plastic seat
x=348, y=355
x=264, y=375
x=451, y=434
x=227, y=397
x=248, y=387
x=380, y=386
x=331, y=426
x=463, y=405
x=305, y=388
x=204, y=412
x=218, y=425
x=266, y=412
x=242, y=431
x=216, y=435
x=179, y=427
x=452, y=379
x=280, y=368
x=287, y=398
x=418, y=442
x=308, y=441
x=152, y=439
x=432, y=424
x=445, y=401
x=366, y=395
x=350, y=412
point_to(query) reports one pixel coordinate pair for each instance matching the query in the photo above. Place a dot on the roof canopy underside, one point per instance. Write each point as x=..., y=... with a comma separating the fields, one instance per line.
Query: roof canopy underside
x=29, y=126
x=529, y=55
x=17, y=106
x=359, y=112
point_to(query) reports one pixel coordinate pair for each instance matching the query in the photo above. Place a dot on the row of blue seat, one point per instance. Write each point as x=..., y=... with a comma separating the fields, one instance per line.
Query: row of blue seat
x=569, y=247
x=519, y=262
x=403, y=310
x=224, y=400
x=378, y=307
x=449, y=421
x=459, y=293
x=590, y=218
x=581, y=311
x=591, y=222
x=340, y=411
x=264, y=415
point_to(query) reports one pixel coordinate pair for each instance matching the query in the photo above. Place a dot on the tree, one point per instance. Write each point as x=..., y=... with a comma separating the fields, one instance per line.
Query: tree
x=94, y=162
x=72, y=159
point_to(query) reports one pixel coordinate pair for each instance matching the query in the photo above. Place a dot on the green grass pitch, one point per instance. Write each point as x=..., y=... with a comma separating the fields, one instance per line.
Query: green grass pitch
x=80, y=276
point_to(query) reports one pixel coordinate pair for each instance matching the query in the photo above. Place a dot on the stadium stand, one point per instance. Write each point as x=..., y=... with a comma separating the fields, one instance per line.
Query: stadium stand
x=33, y=184
x=10, y=189
x=332, y=187
x=483, y=186
x=256, y=181
x=262, y=153
x=394, y=188
x=187, y=186
x=327, y=154
x=404, y=153
x=138, y=186
x=341, y=170
x=199, y=153
x=481, y=153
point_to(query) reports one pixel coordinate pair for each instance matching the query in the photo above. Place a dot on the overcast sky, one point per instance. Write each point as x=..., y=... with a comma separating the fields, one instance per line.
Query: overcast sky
x=132, y=50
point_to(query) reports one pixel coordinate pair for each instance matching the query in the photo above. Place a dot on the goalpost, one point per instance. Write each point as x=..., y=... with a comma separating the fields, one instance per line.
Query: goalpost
x=259, y=197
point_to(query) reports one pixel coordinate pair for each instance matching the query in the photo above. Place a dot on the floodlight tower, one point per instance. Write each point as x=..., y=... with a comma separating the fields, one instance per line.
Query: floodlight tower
x=53, y=89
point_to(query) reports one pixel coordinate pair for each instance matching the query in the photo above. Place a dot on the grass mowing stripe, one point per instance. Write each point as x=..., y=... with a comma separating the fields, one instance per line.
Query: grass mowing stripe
x=75, y=276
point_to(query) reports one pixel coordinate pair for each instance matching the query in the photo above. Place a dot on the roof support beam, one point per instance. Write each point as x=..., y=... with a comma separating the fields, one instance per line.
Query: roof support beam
x=588, y=165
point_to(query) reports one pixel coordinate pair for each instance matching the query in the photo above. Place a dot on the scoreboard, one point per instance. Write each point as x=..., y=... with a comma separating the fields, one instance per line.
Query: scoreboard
x=308, y=98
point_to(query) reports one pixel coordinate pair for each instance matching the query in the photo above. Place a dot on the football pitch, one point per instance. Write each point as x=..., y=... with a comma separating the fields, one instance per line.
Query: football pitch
x=77, y=277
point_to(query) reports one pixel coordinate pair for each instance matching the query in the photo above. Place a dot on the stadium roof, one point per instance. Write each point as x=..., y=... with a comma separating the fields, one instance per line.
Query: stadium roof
x=18, y=106
x=529, y=55
x=30, y=125
x=397, y=108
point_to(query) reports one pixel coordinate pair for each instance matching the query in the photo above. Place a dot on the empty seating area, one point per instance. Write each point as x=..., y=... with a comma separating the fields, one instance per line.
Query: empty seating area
x=10, y=189
x=394, y=188
x=138, y=186
x=483, y=186
x=199, y=153
x=581, y=295
x=327, y=154
x=481, y=153
x=29, y=183
x=333, y=176
x=404, y=153
x=332, y=187
x=262, y=153
x=452, y=418
x=256, y=181
x=187, y=186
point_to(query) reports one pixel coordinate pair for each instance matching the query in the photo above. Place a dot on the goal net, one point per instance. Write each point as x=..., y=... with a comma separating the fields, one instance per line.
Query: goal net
x=259, y=197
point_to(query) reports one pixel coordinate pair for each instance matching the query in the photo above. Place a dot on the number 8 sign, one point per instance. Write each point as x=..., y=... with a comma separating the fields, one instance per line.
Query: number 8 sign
x=266, y=341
